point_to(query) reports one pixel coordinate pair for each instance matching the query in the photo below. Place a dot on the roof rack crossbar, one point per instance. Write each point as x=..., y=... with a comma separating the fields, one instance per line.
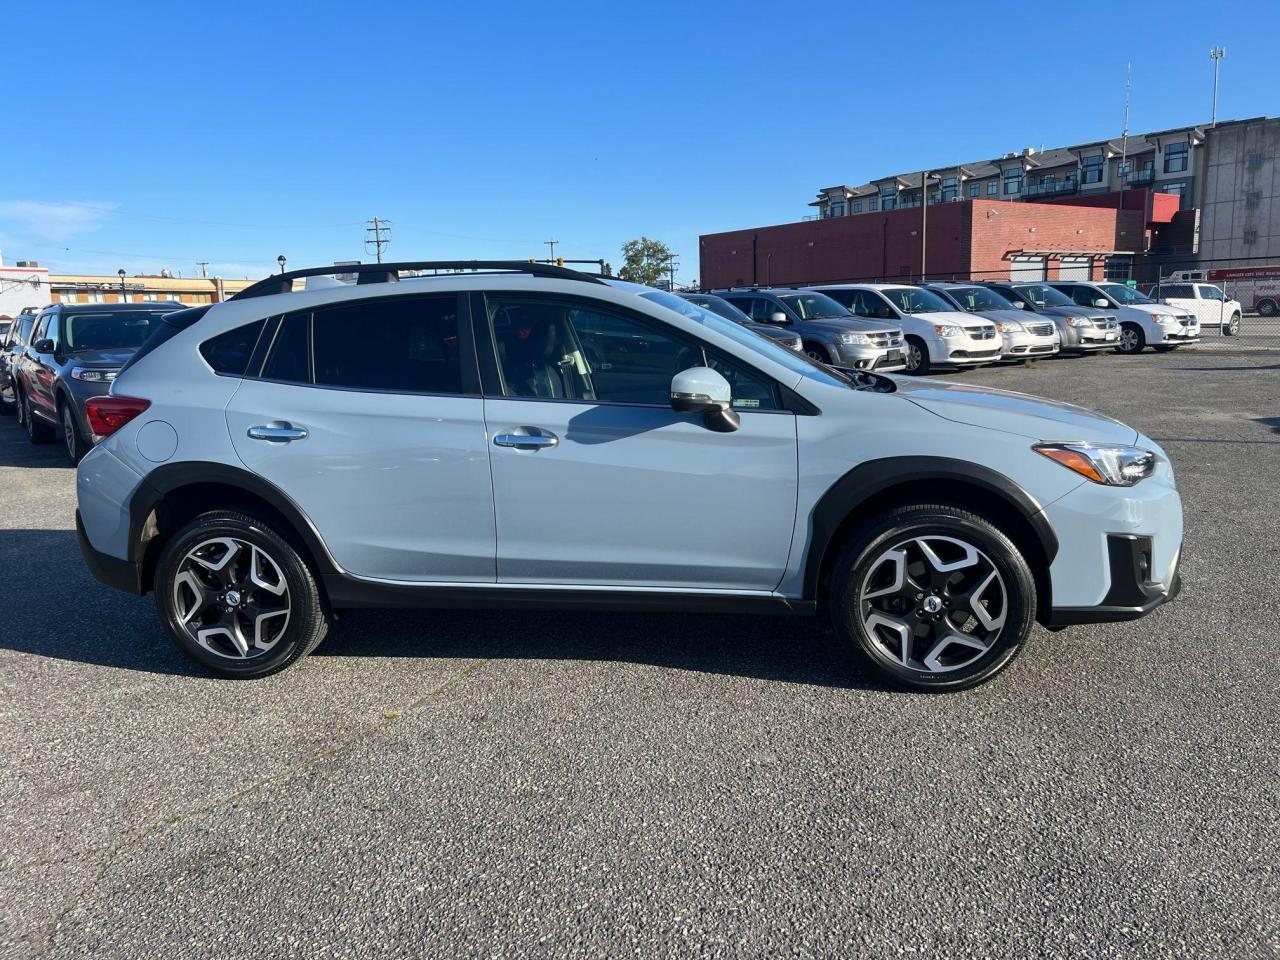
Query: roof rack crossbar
x=390, y=273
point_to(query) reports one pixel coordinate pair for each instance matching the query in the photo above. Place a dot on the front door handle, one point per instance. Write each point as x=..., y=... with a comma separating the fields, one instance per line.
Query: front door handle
x=277, y=431
x=526, y=441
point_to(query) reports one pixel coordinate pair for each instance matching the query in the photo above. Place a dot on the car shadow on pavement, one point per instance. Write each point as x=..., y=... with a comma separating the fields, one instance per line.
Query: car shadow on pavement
x=55, y=609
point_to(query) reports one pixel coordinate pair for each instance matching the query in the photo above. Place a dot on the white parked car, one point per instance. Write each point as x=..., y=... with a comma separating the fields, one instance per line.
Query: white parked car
x=936, y=333
x=1143, y=321
x=1023, y=334
x=1212, y=307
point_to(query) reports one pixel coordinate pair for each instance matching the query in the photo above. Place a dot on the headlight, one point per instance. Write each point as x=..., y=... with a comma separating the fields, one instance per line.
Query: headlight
x=1166, y=321
x=858, y=338
x=947, y=330
x=1010, y=326
x=90, y=375
x=1079, y=322
x=1105, y=463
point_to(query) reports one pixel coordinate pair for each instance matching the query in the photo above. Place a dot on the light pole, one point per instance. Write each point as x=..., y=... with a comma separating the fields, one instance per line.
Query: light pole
x=1216, y=54
x=924, y=217
x=120, y=274
x=280, y=260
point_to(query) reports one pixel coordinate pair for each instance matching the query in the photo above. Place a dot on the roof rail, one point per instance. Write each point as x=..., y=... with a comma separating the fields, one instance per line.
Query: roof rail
x=390, y=273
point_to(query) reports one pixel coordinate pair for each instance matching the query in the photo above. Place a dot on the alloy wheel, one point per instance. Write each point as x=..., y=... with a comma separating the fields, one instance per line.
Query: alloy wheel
x=1129, y=340
x=231, y=598
x=913, y=358
x=69, y=435
x=21, y=400
x=933, y=603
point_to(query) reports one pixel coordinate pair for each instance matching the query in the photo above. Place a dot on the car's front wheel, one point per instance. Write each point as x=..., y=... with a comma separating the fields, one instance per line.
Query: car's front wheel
x=1232, y=328
x=236, y=597
x=1132, y=339
x=917, y=356
x=933, y=597
x=71, y=436
x=37, y=430
x=816, y=351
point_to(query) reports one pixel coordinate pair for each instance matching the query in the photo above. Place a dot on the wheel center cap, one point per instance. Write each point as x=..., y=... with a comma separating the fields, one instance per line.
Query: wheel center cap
x=932, y=604
x=233, y=598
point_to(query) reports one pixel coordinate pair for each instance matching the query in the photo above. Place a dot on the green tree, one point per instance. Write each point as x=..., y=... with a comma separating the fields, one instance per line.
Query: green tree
x=645, y=261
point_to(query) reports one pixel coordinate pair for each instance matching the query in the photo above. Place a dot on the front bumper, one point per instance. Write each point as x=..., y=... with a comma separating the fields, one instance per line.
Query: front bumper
x=124, y=575
x=1132, y=593
x=964, y=351
x=1020, y=346
x=879, y=359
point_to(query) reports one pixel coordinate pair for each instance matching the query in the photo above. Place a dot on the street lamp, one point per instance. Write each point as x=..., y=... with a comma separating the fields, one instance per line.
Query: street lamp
x=280, y=260
x=120, y=274
x=925, y=177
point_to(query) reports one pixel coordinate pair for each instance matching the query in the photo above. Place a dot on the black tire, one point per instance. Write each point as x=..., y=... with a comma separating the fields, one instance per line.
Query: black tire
x=1268, y=308
x=917, y=356
x=1233, y=326
x=72, y=439
x=37, y=430
x=816, y=351
x=1135, y=342
x=305, y=624
x=864, y=554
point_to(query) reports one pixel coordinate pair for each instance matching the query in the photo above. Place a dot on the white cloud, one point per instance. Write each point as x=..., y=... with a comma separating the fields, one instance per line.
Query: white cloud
x=53, y=221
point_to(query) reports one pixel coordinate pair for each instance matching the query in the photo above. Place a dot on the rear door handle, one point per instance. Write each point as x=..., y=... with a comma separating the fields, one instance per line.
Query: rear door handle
x=277, y=431
x=526, y=441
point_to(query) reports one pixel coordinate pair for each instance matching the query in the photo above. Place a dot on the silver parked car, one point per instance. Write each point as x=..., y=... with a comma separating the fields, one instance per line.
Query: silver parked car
x=1023, y=335
x=1083, y=330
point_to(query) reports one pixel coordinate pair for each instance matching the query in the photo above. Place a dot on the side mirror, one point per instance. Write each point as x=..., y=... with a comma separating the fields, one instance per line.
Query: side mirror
x=778, y=317
x=1101, y=303
x=43, y=346
x=703, y=390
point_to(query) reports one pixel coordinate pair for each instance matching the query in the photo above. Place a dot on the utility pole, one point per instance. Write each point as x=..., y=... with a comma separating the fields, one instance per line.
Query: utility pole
x=552, y=245
x=204, y=268
x=379, y=236
x=1124, y=137
x=1216, y=54
x=924, y=220
x=671, y=270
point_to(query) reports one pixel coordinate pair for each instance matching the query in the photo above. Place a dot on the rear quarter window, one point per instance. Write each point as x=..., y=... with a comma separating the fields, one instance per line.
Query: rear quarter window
x=229, y=352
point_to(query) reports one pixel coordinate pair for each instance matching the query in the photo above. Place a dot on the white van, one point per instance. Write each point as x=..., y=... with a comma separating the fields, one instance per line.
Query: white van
x=1143, y=321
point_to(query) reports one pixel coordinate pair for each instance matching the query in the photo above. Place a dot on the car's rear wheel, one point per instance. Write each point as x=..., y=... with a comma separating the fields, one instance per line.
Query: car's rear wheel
x=933, y=597
x=37, y=430
x=917, y=356
x=236, y=597
x=1268, y=308
x=71, y=437
x=1233, y=326
x=1132, y=339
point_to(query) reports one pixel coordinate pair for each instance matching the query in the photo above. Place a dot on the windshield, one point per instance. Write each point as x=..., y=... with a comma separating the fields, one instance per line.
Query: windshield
x=722, y=307
x=915, y=300
x=1043, y=295
x=1122, y=294
x=814, y=306
x=793, y=360
x=107, y=331
x=974, y=299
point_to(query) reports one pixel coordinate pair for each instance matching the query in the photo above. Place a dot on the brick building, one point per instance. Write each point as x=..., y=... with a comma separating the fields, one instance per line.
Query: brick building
x=1068, y=238
x=189, y=291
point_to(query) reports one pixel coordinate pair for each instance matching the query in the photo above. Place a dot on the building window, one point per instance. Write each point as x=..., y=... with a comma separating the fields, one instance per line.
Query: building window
x=856, y=206
x=837, y=208
x=872, y=203
x=1255, y=161
x=993, y=188
x=94, y=297
x=975, y=189
x=888, y=198
x=1252, y=198
x=1091, y=169
x=1118, y=268
x=1012, y=181
x=68, y=296
x=1175, y=157
x=1250, y=236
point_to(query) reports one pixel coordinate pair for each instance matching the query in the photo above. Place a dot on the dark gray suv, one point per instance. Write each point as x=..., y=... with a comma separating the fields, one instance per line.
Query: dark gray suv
x=74, y=353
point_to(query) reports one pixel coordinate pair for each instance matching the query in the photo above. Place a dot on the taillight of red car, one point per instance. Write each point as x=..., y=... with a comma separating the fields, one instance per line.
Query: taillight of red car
x=108, y=414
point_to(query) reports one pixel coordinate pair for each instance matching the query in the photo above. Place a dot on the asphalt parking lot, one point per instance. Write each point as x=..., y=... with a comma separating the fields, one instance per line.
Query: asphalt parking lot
x=512, y=784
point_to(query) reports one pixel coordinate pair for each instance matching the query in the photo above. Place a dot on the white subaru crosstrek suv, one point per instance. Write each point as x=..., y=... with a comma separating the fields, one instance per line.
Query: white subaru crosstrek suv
x=1143, y=322
x=524, y=435
x=938, y=334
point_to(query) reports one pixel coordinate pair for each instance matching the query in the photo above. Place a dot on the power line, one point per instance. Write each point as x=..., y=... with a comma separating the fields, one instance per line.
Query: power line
x=552, y=245
x=375, y=240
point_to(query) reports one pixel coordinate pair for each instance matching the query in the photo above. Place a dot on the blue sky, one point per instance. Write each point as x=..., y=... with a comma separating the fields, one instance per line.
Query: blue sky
x=149, y=135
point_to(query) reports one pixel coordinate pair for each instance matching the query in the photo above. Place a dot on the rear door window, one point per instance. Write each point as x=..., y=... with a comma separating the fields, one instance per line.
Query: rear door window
x=290, y=358
x=401, y=345
x=227, y=352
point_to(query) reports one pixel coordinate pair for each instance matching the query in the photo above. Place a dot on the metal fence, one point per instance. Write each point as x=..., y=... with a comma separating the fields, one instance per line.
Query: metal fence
x=1252, y=282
